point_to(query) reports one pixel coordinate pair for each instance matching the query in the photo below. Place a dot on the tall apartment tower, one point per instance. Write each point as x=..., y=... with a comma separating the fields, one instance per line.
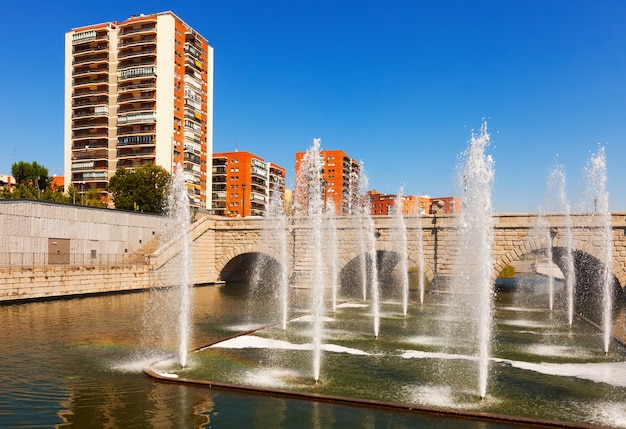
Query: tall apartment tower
x=138, y=92
x=245, y=185
x=341, y=177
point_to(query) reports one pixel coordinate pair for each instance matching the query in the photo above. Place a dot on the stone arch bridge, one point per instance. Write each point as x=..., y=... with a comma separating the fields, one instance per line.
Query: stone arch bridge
x=225, y=249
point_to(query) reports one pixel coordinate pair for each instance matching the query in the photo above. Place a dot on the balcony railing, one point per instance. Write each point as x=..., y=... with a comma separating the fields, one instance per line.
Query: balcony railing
x=137, y=42
x=137, y=118
x=127, y=31
x=130, y=53
x=138, y=72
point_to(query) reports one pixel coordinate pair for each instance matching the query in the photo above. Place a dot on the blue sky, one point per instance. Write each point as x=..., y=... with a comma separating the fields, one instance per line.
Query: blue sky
x=399, y=85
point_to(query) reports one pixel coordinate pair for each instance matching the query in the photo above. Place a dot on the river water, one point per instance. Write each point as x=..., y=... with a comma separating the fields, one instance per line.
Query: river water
x=77, y=363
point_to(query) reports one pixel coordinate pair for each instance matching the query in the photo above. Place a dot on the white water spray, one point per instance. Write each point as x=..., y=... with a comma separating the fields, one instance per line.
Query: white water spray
x=541, y=232
x=178, y=211
x=331, y=248
x=556, y=186
x=475, y=260
x=596, y=184
x=278, y=226
x=420, y=251
x=369, y=232
x=399, y=236
x=309, y=188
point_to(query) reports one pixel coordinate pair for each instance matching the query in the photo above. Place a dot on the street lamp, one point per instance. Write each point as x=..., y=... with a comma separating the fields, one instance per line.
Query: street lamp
x=243, y=200
x=437, y=205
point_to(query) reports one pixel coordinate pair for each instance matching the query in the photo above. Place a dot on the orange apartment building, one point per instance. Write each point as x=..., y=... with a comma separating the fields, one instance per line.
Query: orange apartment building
x=138, y=92
x=244, y=184
x=341, y=179
x=384, y=204
x=449, y=205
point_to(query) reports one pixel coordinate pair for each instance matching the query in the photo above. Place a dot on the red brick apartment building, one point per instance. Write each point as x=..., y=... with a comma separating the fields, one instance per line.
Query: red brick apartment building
x=384, y=204
x=244, y=184
x=341, y=179
x=138, y=92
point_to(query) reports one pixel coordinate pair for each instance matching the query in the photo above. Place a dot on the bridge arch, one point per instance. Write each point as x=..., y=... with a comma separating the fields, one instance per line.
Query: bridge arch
x=532, y=244
x=239, y=263
x=387, y=255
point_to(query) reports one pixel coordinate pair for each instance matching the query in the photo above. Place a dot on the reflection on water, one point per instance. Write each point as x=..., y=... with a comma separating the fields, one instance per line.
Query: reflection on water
x=77, y=363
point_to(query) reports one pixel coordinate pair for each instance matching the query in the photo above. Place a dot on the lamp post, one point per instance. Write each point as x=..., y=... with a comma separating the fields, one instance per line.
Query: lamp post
x=243, y=200
x=437, y=205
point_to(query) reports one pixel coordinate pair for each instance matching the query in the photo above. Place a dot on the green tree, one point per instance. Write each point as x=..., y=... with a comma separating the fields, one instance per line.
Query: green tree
x=31, y=174
x=143, y=189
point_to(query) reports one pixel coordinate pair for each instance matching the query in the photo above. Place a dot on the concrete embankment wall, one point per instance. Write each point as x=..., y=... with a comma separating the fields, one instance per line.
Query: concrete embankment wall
x=107, y=250
x=55, y=282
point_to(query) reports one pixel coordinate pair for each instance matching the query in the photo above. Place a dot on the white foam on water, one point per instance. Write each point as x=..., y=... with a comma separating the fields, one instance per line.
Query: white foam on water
x=526, y=323
x=245, y=327
x=430, y=340
x=609, y=413
x=310, y=319
x=270, y=377
x=138, y=365
x=612, y=373
x=522, y=309
x=167, y=374
x=447, y=397
x=254, y=342
x=554, y=350
x=351, y=305
x=417, y=354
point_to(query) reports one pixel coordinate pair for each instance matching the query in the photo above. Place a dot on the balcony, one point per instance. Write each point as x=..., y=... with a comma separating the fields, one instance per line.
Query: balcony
x=137, y=62
x=256, y=171
x=91, y=59
x=138, y=41
x=219, y=196
x=91, y=48
x=137, y=96
x=131, y=30
x=91, y=80
x=95, y=90
x=194, y=63
x=138, y=73
x=128, y=153
x=90, y=123
x=129, y=107
x=92, y=70
x=218, y=187
x=132, y=52
x=254, y=196
x=135, y=118
x=140, y=140
x=84, y=37
x=135, y=129
x=89, y=154
x=130, y=86
x=92, y=133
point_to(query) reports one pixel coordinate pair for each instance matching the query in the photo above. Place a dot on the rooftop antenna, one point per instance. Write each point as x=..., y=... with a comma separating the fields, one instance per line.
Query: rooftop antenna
x=236, y=146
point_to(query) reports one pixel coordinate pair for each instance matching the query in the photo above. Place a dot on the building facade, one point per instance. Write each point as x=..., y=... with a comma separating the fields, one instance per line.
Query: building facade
x=341, y=176
x=245, y=185
x=138, y=92
x=385, y=204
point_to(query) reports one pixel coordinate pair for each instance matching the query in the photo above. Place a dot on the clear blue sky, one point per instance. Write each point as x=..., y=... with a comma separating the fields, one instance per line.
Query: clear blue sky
x=399, y=85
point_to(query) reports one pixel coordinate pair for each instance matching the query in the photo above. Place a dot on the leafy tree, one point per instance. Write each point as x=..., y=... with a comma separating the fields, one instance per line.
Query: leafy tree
x=31, y=174
x=143, y=189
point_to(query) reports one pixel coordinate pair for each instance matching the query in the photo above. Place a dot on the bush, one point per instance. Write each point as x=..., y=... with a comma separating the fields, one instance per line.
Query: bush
x=507, y=271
